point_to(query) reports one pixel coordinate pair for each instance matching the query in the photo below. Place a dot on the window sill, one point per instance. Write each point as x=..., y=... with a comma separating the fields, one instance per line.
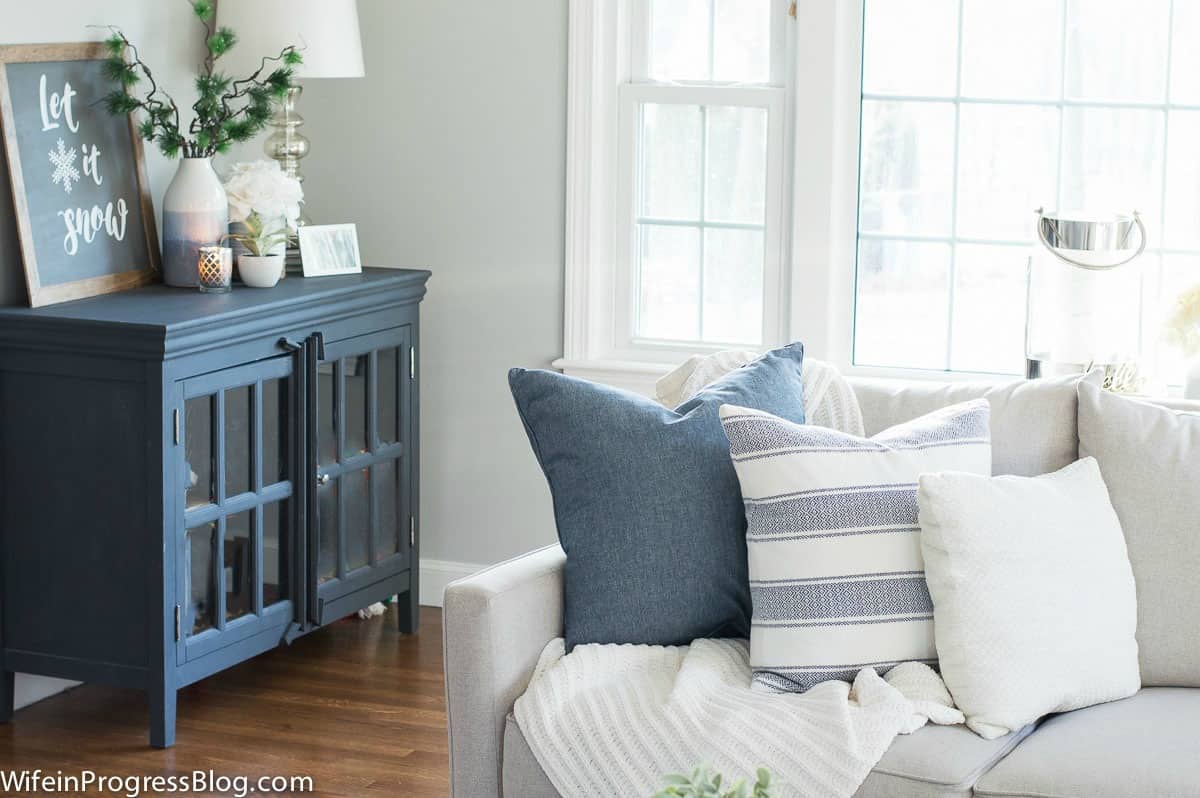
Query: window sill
x=630, y=375
x=640, y=376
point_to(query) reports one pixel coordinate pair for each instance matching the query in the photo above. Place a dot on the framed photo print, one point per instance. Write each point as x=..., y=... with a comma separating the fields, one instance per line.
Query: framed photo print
x=329, y=249
x=78, y=176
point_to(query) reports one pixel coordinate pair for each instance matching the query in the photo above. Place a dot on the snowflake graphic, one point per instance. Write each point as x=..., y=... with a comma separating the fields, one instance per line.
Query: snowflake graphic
x=63, y=161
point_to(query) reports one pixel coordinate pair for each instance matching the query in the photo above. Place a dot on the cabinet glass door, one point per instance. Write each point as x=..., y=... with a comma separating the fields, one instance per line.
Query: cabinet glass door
x=362, y=484
x=236, y=461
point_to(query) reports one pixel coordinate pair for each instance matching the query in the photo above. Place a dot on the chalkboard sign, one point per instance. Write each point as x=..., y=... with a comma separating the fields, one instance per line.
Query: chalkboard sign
x=78, y=176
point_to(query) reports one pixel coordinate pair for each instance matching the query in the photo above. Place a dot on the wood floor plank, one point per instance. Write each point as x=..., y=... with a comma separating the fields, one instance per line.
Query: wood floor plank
x=357, y=706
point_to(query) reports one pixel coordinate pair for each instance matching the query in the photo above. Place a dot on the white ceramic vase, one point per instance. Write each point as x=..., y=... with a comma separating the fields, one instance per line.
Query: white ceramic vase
x=260, y=271
x=195, y=214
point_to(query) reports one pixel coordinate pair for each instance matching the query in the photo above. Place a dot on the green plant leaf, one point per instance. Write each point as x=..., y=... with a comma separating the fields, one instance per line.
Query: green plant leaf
x=169, y=145
x=203, y=9
x=115, y=45
x=116, y=70
x=118, y=103
x=221, y=42
x=210, y=85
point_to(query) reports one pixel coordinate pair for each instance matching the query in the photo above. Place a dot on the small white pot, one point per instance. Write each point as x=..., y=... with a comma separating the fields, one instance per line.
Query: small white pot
x=260, y=271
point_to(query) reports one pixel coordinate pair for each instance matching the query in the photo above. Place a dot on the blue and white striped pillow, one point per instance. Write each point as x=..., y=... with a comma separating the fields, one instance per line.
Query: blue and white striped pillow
x=836, y=573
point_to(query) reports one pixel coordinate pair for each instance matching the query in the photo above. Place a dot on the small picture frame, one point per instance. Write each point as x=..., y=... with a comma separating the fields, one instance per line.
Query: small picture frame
x=329, y=249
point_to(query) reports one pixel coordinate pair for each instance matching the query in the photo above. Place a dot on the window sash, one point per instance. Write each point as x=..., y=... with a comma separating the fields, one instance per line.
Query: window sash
x=631, y=97
x=1153, y=263
x=640, y=43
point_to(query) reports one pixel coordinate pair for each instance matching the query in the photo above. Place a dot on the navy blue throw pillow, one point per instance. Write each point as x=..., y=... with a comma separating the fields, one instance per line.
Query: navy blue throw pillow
x=646, y=500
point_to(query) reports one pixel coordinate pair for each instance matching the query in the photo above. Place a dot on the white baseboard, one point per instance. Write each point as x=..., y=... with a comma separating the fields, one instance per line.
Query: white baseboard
x=436, y=574
x=30, y=689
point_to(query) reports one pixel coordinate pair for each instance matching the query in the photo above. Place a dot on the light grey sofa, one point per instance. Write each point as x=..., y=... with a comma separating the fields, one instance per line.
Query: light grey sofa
x=498, y=621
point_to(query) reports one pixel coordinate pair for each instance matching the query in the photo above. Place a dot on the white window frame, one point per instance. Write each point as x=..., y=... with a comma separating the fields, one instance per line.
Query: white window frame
x=817, y=243
x=631, y=96
x=606, y=66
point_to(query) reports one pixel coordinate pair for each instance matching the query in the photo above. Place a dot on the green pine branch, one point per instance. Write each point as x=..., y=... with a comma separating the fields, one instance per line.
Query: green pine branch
x=226, y=110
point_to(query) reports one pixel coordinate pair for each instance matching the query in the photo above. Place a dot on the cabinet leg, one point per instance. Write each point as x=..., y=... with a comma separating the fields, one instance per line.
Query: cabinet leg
x=162, y=718
x=7, y=682
x=408, y=608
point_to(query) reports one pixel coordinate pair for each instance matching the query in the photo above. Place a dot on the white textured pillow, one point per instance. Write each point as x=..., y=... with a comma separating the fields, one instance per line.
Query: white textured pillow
x=1033, y=596
x=833, y=542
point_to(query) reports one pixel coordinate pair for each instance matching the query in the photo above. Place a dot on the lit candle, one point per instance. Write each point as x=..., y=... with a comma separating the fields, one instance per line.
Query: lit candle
x=216, y=269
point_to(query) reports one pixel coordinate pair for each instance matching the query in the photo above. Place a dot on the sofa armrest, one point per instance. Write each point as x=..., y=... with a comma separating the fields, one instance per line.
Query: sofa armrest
x=495, y=625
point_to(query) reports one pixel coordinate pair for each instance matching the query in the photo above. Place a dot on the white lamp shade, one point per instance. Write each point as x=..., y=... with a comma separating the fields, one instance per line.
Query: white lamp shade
x=326, y=31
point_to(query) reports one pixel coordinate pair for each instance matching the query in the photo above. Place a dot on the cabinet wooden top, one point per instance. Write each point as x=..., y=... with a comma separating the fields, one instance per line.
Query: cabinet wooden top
x=155, y=319
x=160, y=306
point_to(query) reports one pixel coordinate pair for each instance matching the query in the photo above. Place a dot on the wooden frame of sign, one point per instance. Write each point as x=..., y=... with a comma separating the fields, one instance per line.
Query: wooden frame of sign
x=102, y=239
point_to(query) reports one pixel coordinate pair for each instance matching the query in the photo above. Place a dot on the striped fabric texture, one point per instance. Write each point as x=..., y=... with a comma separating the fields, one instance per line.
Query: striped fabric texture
x=836, y=574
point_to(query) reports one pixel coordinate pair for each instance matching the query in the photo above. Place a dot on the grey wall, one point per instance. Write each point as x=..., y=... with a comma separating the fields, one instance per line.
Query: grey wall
x=450, y=155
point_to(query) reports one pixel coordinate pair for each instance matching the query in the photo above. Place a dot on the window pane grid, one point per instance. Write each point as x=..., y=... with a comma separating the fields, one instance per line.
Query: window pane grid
x=903, y=197
x=678, y=298
x=708, y=41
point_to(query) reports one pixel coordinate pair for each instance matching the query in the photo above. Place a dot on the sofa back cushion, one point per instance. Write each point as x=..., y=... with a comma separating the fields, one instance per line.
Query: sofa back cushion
x=647, y=502
x=1150, y=459
x=1033, y=421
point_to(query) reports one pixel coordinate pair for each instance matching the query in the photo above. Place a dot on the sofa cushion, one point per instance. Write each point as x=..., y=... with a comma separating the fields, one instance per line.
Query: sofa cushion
x=936, y=762
x=1150, y=458
x=834, y=547
x=1033, y=421
x=1146, y=746
x=933, y=762
x=646, y=500
x=1034, y=607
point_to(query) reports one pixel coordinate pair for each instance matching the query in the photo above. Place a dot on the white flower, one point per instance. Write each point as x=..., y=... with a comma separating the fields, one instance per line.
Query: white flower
x=1183, y=326
x=261, y=187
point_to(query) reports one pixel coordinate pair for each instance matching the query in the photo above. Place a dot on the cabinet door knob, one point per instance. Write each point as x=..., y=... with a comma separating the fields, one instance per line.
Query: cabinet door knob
x=323, y=479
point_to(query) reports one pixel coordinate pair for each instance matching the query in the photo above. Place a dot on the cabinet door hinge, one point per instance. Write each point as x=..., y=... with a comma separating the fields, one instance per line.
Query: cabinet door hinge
x=412, y=362
x=176, y=426
x=412, y=531
x=177, y=623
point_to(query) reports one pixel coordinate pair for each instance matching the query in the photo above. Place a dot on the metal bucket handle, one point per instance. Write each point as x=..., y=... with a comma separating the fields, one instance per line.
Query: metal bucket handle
x=1137, y=219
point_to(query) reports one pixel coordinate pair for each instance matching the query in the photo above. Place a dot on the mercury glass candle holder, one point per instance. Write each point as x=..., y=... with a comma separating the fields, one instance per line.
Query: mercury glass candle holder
x=215, y=269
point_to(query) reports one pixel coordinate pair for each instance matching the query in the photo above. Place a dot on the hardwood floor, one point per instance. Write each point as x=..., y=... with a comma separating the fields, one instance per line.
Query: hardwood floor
x=357, y=706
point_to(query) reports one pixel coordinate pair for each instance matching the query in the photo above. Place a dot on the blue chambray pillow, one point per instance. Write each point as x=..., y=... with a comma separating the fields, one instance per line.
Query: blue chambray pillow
x=647, y=502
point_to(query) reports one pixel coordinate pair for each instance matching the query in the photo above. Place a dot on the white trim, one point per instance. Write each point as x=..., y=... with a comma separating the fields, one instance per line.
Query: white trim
x=828, y=77
x=436, y=574
x=638, y=377
x=602, y=54
x=597, y=61
x=29, y=689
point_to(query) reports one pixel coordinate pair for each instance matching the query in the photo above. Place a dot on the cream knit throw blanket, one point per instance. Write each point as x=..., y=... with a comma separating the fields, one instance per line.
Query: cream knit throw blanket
x=829, y=400
x=611, y=721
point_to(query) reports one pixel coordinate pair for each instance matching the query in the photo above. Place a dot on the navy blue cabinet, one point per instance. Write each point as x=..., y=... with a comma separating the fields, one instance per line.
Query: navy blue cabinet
x=188, y=480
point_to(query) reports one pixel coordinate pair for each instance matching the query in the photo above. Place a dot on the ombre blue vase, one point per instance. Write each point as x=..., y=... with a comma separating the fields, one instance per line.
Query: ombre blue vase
x=195, y=214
